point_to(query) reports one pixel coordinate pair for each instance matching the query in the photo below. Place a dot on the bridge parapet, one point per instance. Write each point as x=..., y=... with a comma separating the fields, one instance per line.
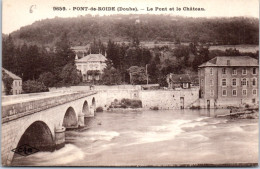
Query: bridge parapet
x=17, y=108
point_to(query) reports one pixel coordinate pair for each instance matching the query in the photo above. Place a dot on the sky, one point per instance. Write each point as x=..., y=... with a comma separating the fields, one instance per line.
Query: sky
x=16, y=13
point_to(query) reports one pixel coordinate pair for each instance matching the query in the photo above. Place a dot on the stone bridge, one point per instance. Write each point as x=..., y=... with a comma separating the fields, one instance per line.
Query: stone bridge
x=40, y=120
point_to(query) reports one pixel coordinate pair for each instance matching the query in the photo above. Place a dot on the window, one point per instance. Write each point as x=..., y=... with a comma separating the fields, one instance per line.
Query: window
x=244, y=92
x=234, y=82
x=234, y=92
x=254, y=92
x=224, y=92
x=254, y=71
x=211, y=92
x=211, y=71
x=243, y=82
x=89, y=77
x=254, y=82
x=234, y=71
x=228, y=62
x=244, y=71
x=224, y=71
x=211, y=82
x=185, y=85
x=224, y=82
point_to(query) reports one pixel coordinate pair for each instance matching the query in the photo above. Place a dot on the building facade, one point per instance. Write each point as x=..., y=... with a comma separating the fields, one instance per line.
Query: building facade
x=91, y=66
x=178, y=81
x=184, y=81
x=17, y=83
x=229, y=81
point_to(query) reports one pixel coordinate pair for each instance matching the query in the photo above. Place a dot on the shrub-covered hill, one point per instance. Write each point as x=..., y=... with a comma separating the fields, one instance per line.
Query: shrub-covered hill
x=83, y=29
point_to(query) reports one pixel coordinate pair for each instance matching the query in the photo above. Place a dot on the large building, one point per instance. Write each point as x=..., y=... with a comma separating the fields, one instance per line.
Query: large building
x=91, y=66
x=17, y=83
x=229, y=81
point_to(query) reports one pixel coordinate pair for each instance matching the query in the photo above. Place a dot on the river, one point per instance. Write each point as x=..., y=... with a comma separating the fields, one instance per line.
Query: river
x=155, y=138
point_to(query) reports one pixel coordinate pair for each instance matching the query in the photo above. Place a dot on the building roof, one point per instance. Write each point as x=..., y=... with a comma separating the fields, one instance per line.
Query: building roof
x=13, y=76
x=223, y=61
x=92, y=58
x=182, y=78
x=80, y=48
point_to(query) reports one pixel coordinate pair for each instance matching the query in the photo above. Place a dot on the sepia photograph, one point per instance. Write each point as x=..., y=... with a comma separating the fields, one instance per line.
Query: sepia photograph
x=96, y=83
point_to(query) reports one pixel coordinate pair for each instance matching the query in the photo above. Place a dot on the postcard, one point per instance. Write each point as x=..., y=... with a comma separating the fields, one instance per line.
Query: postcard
x=130, y=83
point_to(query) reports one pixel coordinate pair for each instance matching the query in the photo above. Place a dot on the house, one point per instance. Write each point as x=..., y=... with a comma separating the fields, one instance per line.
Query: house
x=229, y=81
x=91, y=66
x=16, y=85
x=178, y=81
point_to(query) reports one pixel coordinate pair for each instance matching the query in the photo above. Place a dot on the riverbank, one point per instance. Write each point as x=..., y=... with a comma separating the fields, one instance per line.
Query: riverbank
x=242, y=113
x=124, y=109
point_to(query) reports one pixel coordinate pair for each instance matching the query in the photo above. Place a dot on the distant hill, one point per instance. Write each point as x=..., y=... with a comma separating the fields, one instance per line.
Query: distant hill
x=83, y=29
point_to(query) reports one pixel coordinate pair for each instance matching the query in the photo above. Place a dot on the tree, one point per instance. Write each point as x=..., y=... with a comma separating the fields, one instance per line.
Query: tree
x=137, y=75
x=113, y=53
x=70, y=75
x=111, y=76
x=162, y=80
x=182, y=52
x=48, y=79
x=8, y=83
x=64, y=53
x=232, y=52
x=33, y=86
x=8, y=54
x=32, y=63
x=97, y=47
x=201, y=56
x=153, y=72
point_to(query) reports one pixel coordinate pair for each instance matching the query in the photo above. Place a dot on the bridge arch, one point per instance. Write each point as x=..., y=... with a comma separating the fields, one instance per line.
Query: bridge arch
x=70, y=118
x=85, y=108
x=38, y=135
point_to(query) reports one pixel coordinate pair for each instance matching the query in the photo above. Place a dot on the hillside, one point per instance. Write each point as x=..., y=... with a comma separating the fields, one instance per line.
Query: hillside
x=83, y=29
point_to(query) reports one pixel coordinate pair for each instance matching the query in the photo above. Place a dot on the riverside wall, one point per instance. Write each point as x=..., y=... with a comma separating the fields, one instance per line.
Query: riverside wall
x=163, y=99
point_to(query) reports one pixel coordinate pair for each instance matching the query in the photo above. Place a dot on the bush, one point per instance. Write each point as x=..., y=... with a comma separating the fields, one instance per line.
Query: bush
x=8, y=83
x=136, y=104
x=126, y=102
x=115, y=100
x=123, y=106
x=47, y=78
x=99, y=109
x=195, y=107
x=250, y=116
x=154, y=108
x=32, y=86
